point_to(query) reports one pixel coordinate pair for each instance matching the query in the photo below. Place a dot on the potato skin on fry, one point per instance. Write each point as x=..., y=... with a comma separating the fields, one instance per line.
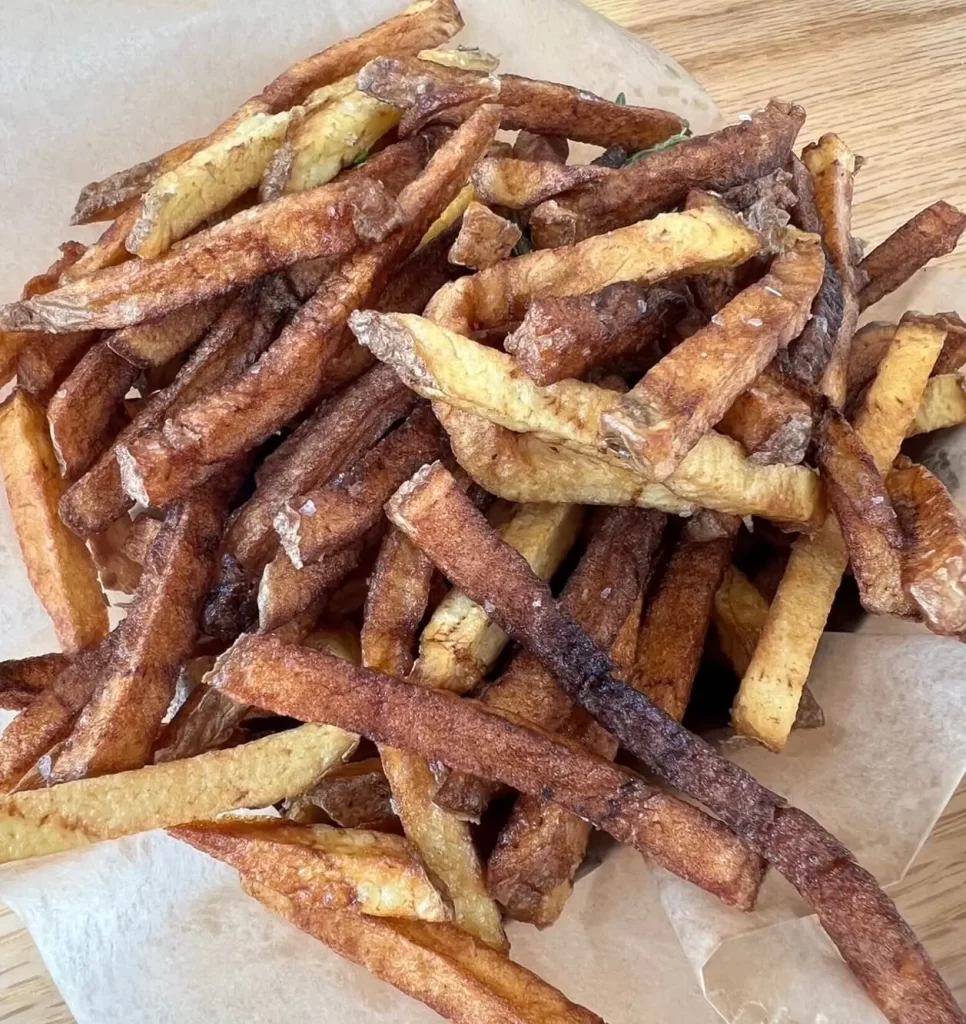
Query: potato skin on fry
x=771, y=420
x=485, y=238
x=441, y=965
x=58, y=565
x=22, y=680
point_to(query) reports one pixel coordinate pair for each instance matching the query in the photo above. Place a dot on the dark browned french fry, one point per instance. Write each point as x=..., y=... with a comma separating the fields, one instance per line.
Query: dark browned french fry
x=119, y=725
x=618, y=563
x=934, y=558
x=530, y=146
x=832, y=166
x=857, y=495
x=356, y=795
x=675, y=624
x=330, y=440
x=933, y=232
x=804, y=213
x=861, y=920
x=115, y=567
x=717, y=162
x=467, y=735
x=771, y=420
x=83, y=409
x=484, y=238
x=289, y=376
x=21, y=681
x=681, y=397
x=617, y=327
x=156, y=342
x=869, y=344
x=45, y=360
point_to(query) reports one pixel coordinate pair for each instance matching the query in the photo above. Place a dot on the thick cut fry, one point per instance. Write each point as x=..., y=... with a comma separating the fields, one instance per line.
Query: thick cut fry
x=858, y=497
x=120, y=724
x=441, y=965
x=460, y=644
x=467, y=735
x=771, y=420
x=428, y=91
x=439, y=364
x=690, y=242
x=934, y=559
x=333, y=220
x=286, y=594
x=616, y=328
x=770, y=690
x=82, y=411
x=930, y=234
x=113, y=195
x=236, y=416
x=523, y=468
x=325, y=519
x=239, y=336
x=156, y=342
x=943, y=405
x=21, y=681
x=206, y=182
x=368, y=872
x=832, y=166
x=681, y=398
x=58, y=565
x=45, y=361
x=672, y=636
x=522, y=184
x=326, y=141
x=357, y=795
x=330, y=440
x=485, y=238
x=861, y=920
x=869, y=345
x=617, y=563
x=732, y=156
x=255, y=774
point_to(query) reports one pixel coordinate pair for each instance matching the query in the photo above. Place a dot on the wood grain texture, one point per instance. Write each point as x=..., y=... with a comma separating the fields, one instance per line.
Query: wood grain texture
x=890, y=77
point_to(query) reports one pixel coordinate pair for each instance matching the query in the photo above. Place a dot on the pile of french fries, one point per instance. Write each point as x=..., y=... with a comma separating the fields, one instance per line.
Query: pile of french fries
x=435, y=472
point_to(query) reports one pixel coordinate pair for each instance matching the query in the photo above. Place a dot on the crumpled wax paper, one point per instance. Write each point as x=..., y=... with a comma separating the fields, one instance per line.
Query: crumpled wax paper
x=148, y=929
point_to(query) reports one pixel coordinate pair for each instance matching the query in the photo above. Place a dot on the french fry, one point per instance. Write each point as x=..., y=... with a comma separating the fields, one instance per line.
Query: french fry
x=369, y=872
x=523, y=468
x=869, y=345
x=441, y=965
x=330, y=440
x=241, y=333
x=771, y=420
x=460, y=644
x=943, y=405
x=184, y=197
x=256, y=774
x=859, y=917
x=717, y=162
x=933, y=558
x=237, y=415
x=108, y=251
x=356, y=795
x=806, y=358
x=121, y=722
x=523, y=184
x=485, y=238
x=333, y=220
x=108, y=198
x=617, y=327
x=532, y=867
x=467, y=58
x=618, y=562
x=672, y=635
x=683, y=395
x=428, y=91
x=858, y=497
x=158, y=341
x=59, y=567
x=261, y=670
x=116, y=569
x=531, y=146
x=324, y=142
x=770, y=690
x=83, y=410
x=690, y=242
x=804, y=214
x=932, y=233
x=21, y=681
x=45, y=361
x=440, y=364
x=832, y=166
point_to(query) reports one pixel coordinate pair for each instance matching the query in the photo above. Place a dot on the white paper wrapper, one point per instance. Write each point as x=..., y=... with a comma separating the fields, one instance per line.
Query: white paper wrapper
x=147, y=929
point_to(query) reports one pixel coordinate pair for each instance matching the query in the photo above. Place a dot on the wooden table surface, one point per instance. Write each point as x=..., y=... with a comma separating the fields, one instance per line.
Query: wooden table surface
x=890, y=77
